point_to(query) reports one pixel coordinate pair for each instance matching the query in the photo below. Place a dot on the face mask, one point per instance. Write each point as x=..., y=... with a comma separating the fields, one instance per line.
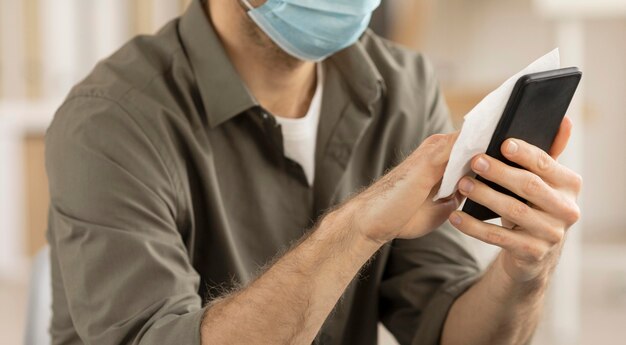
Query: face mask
x=313, y=29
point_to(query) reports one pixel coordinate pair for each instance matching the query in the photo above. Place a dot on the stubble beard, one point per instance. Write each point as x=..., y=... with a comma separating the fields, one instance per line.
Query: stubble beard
x=270, y=51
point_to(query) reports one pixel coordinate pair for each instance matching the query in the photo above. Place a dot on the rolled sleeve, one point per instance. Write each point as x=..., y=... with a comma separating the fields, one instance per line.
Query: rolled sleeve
x=423, y=277
x=117, y=251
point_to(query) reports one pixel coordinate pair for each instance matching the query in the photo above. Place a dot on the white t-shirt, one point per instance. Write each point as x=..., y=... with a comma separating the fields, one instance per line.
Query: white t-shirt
x=300, y=135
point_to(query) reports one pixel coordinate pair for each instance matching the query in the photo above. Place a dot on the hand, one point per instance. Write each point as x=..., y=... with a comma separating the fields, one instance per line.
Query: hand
x=399, y=205
x=532, y=234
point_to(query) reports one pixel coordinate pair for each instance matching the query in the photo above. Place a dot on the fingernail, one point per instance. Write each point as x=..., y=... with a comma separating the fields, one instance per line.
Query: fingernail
x=466, y=186
x=481, y=165
x=455, y=219
x=511, y=147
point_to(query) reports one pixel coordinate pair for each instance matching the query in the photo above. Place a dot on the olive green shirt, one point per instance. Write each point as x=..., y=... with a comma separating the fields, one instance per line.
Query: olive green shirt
x=169, y=186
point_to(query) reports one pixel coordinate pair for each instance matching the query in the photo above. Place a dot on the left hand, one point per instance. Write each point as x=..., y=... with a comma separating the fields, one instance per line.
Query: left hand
x=531, y=235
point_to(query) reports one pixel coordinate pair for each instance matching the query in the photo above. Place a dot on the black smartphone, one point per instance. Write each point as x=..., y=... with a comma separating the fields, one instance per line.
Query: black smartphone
x=533, y=113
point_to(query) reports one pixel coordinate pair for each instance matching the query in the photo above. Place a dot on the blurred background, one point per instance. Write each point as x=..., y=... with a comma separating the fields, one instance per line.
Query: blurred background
x=47, y=46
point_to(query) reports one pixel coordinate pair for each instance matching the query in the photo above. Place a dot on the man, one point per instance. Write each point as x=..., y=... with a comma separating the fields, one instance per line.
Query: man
x=186, y=169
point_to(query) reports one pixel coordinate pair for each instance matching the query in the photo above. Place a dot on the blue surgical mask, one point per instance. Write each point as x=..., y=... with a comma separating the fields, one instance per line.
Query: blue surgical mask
x=313, y=29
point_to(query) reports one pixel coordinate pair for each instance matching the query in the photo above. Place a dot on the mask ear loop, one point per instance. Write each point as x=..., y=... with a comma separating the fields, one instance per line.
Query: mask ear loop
x=247, y=4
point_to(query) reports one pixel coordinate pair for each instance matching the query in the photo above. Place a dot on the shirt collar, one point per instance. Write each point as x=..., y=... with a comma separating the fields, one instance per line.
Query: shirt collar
x=360, y=72
x=224, y=94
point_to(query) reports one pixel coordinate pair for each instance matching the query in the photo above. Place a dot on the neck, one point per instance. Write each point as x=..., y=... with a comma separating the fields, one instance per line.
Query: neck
x=282, y=84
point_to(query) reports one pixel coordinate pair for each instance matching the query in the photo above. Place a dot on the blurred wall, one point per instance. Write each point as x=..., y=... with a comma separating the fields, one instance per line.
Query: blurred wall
x=605, y=130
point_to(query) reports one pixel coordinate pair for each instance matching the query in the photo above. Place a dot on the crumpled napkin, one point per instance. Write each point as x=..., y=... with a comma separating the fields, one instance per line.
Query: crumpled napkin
x=480, y=123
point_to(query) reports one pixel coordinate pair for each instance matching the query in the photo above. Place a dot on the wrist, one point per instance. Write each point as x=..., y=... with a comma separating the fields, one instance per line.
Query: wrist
x=507, y=288
x=346, y=220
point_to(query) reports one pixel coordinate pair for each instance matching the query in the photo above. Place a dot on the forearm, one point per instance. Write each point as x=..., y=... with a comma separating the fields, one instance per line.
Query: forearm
x=495, y=310
x=291, y=300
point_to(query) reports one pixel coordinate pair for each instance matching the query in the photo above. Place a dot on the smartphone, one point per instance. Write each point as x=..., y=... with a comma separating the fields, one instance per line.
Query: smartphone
x=533, y=113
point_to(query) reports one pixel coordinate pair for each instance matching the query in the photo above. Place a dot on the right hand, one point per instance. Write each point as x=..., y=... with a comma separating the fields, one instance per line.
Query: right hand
x=399, y=204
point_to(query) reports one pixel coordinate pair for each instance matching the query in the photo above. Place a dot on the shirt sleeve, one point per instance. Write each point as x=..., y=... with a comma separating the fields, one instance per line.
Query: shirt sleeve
x=120, y=258
x=424, y=276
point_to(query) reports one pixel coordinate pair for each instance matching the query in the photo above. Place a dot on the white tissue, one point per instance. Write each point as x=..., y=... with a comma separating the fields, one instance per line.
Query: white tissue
x=480, y=123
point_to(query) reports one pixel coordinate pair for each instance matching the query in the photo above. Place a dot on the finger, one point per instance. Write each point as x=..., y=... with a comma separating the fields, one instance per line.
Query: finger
x=437, y=148
x=562, y=137
x=413, y=179
x=521, y=182
x=520, y=244
x=538, y=162
x=534, y=221
x=433, y=213
x=430, y=159
x=450, y=203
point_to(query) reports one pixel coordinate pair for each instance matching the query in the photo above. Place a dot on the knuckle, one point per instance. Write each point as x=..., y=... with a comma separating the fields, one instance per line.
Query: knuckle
x=544, y=161
x=495, y=236
x=577, y=182
x=533, y=185
x=555, y=236
x=539, y=254
x=431, y=150
x=535, y=253
x=416, y=156
x=572, y=214
x=435, y=140
x=518, y=210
